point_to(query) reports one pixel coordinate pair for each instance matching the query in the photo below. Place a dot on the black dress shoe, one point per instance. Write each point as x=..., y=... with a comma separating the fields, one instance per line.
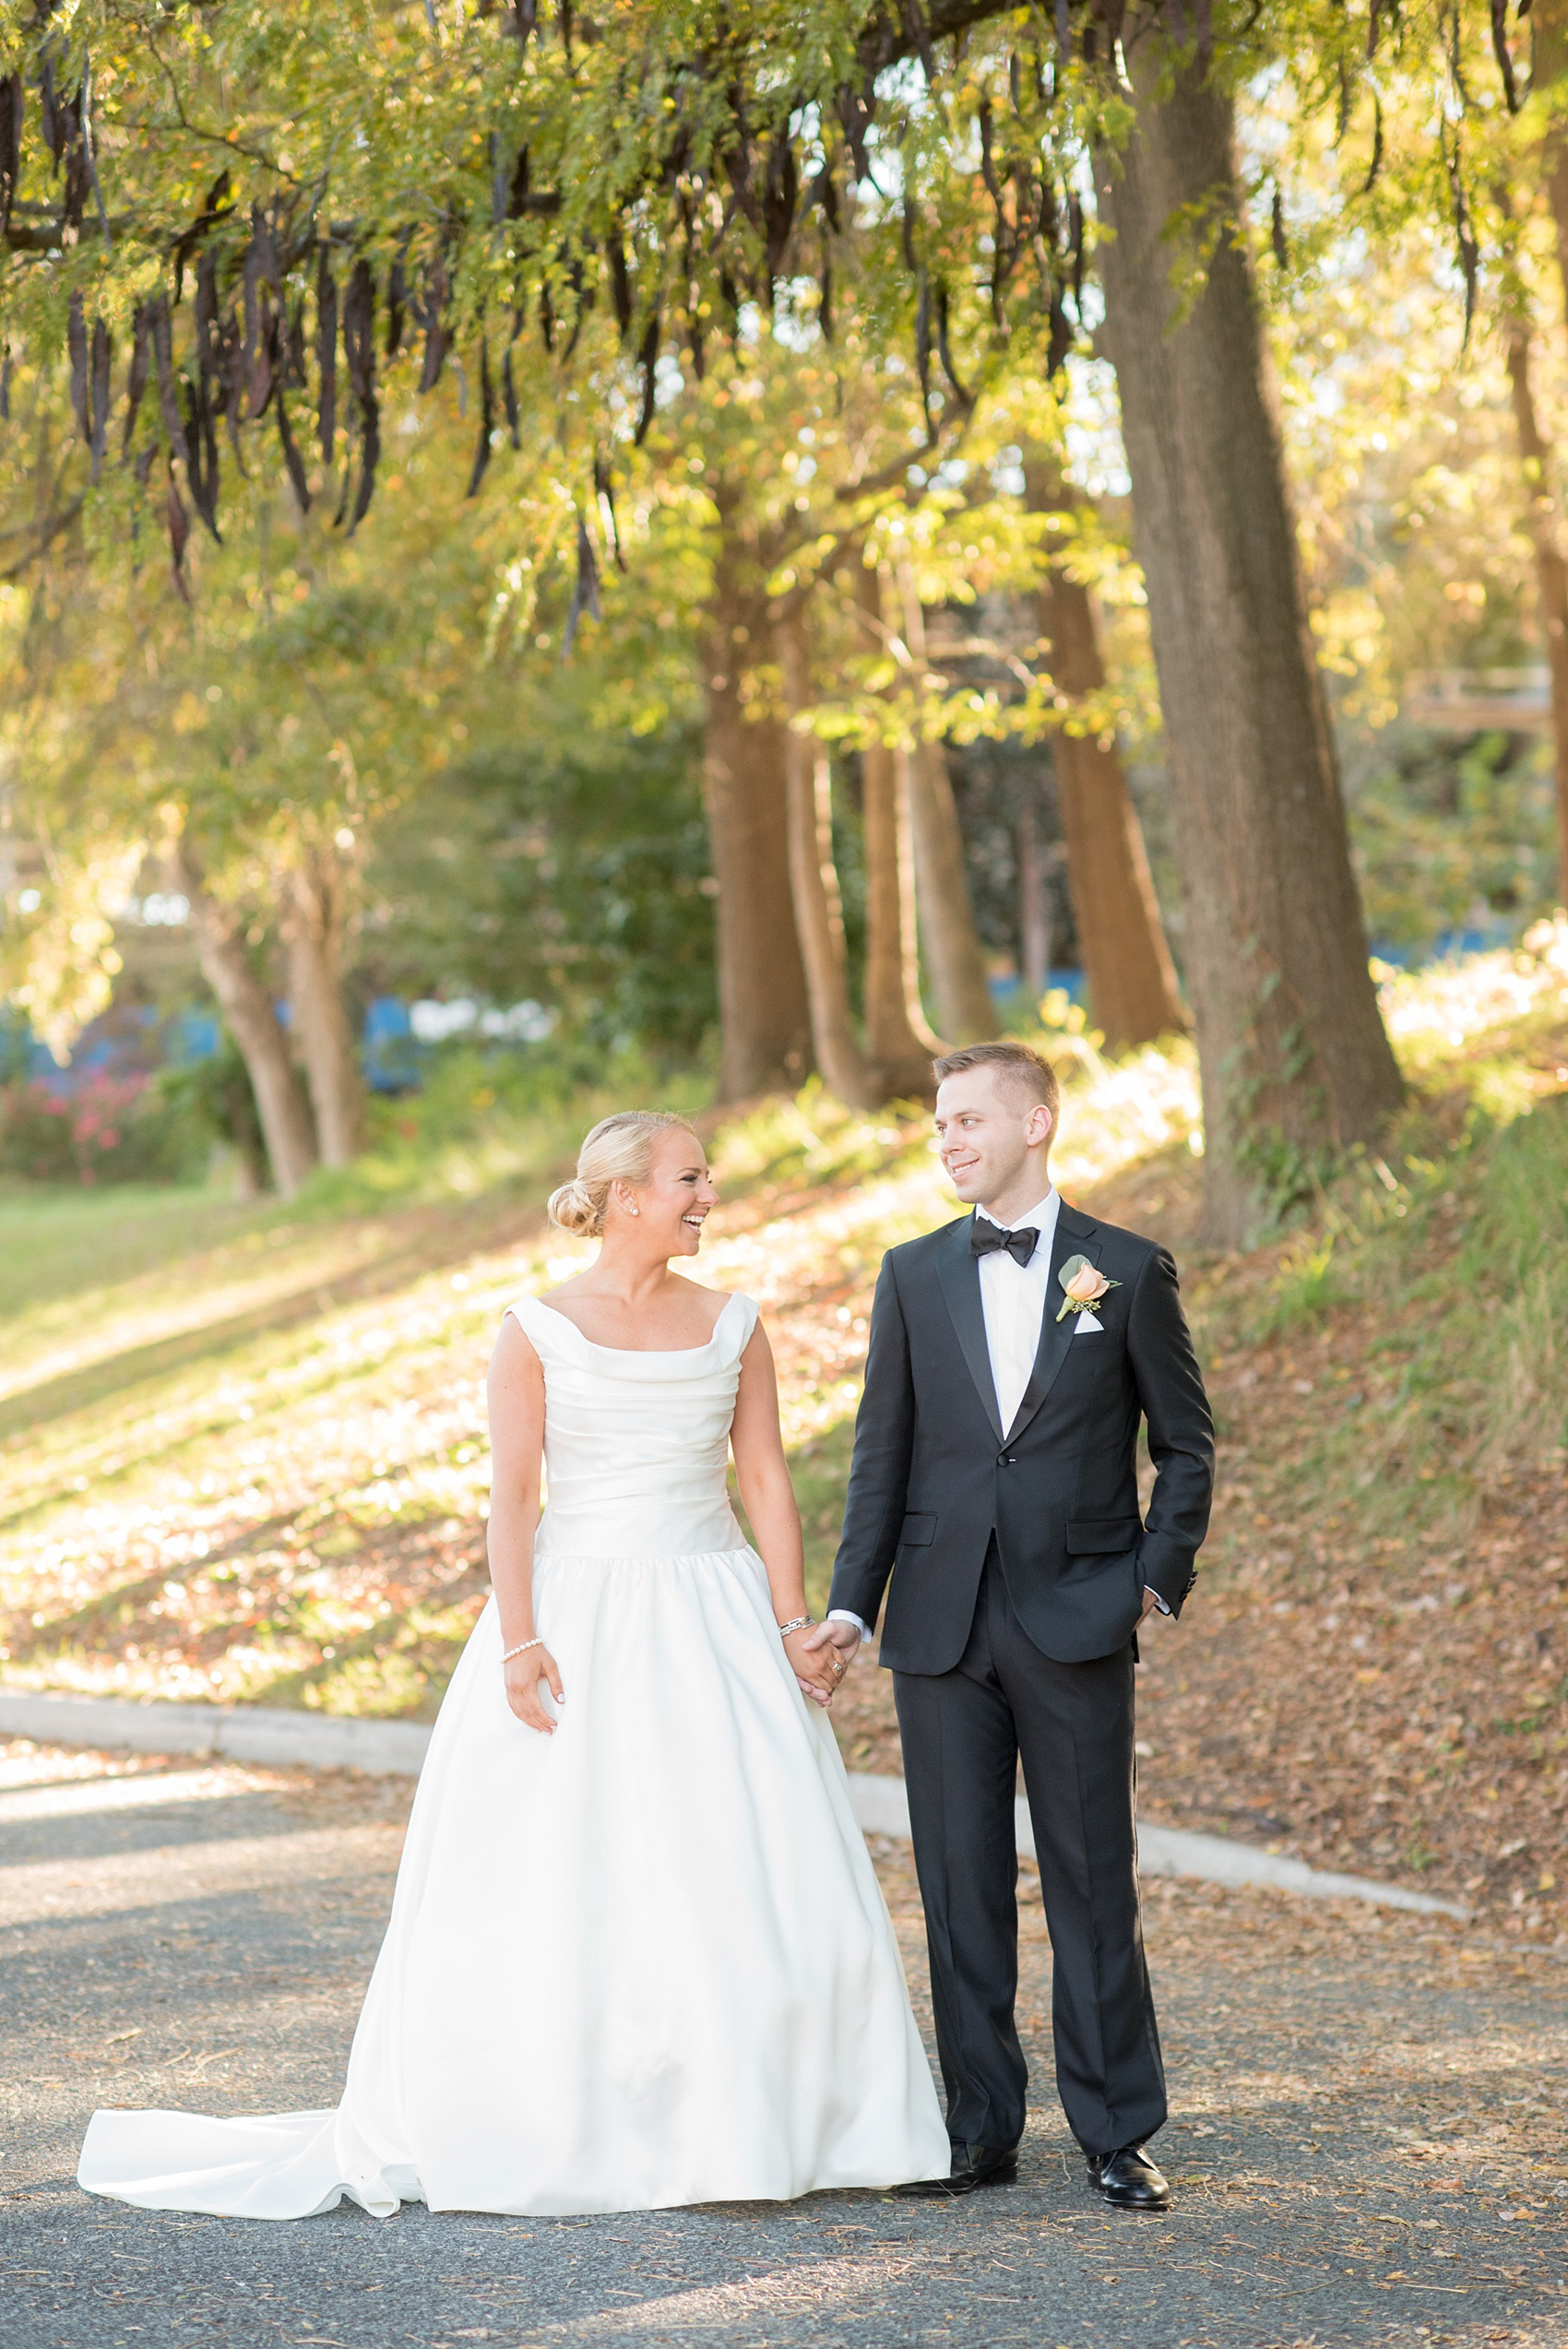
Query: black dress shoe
x=973, y=2166
x=1129, y=2179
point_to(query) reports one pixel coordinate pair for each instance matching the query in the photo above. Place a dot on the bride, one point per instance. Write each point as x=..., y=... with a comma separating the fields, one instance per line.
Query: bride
x=637, y=1955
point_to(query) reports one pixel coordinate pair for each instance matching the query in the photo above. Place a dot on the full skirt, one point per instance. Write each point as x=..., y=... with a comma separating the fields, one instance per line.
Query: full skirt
x=643, y=1961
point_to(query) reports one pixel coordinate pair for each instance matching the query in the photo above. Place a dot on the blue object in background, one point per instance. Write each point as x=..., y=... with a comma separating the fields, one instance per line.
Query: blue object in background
x=1006, y=989
x=1446, y=947
x=390, y=1052
x=192, y=1034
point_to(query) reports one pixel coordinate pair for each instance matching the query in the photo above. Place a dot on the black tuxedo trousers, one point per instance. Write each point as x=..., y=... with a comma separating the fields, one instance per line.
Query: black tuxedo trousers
x=964, y=1732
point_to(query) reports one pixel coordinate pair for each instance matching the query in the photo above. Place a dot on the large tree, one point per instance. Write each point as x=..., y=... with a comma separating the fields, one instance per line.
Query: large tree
x=1294, y=1060
x=596, y=204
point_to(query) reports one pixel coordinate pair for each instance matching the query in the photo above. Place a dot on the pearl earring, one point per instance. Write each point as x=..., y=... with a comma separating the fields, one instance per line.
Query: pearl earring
x=634, y=1210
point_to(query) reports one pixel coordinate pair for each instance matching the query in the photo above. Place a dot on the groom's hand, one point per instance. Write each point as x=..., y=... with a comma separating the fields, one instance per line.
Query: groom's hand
x=832, y=1647
x=1151, y=1604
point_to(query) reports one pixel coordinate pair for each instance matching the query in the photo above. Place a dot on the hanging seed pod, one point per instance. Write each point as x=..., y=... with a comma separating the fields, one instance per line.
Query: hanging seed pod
x=1376, y=165
x=780, y=193
x=1503, y=55
x=1061, y=341
x=202, y=443
x=585, y=595
x=76, y=346
x=965, y=399
x=396, y=299
x=292, y=457
x=486, y=418
x=179, y=523
x=5, y=383
x=437, y=342
x=620, y=285
x=256, y=366
x=229, y=367
x=359, y=351
x=327, y=352
x=922, y=344
x=136, y=382
x=856, y=108
x=168, y=396
x=647, y=360
x=100, y=363
x=604, y=490
x=54, y=122
x=508, y=387
x=206, y=314
x=13, y=110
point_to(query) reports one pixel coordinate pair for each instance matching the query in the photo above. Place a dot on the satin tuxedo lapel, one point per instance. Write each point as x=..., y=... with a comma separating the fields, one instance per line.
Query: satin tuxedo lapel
x=959, y=1275
x=1075, y=1236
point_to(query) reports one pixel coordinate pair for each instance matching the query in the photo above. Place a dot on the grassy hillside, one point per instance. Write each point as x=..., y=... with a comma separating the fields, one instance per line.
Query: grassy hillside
x=242, y=1450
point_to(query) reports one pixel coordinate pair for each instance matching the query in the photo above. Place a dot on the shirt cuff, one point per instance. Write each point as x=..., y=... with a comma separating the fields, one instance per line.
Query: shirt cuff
x=842, y=1615
x=1161, y=1603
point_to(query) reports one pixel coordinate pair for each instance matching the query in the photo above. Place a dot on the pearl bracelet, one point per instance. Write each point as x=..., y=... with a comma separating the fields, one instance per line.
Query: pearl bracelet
x=521, y=1649
x=799, y=1625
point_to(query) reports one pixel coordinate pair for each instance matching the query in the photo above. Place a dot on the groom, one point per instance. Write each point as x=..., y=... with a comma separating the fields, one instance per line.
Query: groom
x=994, y=1480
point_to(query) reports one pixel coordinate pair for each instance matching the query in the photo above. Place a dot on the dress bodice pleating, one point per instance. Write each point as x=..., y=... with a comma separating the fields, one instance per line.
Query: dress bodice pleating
x=636, y=1446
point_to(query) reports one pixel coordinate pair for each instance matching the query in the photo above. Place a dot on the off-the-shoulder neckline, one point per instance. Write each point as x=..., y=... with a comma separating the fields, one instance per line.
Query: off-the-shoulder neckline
x=653, y=1354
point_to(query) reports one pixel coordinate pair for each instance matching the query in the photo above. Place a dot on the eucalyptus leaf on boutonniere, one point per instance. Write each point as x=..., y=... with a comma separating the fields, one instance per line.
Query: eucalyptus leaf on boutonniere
x=1084, y=1284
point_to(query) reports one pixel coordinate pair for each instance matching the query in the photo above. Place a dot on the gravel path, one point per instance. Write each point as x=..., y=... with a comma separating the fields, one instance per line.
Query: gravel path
x=1368, y=2148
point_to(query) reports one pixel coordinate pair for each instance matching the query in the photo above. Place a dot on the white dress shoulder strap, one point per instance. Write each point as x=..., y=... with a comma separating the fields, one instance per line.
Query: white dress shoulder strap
x=539, y=1322
x=736, y=1322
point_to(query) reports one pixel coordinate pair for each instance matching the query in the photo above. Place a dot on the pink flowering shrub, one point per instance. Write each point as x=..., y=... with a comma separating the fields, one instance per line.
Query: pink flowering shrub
x=106, y=1129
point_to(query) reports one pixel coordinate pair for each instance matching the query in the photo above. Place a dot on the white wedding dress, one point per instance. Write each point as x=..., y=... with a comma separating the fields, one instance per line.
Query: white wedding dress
x=643, y=1961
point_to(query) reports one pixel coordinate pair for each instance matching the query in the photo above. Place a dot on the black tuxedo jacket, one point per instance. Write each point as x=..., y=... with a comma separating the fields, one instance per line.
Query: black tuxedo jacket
x=934, y=1473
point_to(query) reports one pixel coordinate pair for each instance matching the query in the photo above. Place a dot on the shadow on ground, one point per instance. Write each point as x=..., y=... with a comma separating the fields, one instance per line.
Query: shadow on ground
x=1364, y=2147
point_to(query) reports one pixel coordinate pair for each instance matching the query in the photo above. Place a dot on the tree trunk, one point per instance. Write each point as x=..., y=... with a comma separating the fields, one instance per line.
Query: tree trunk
x=814, y=876
x=1131, y=984
x=1541, y=519
x=248, y=1008
x=1295, y=1061
x=764, y=1015
x=897, y=1038
x=313, y=933
x=1034, y=905
x=1549, y=35
x=942, y=891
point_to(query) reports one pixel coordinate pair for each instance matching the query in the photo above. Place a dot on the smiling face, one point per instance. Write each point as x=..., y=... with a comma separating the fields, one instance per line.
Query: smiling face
x=676, y=1199
x=993, y=1141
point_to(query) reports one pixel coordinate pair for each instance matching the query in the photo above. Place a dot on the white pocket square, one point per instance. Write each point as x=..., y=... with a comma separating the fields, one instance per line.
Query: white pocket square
x=1086, y=1322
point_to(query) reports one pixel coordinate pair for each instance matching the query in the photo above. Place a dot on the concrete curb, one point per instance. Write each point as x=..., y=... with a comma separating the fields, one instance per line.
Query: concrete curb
x=330, y=1741
x=242, y=1733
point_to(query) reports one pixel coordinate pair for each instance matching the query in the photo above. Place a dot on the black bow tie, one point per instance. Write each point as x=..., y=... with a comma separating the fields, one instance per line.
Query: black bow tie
x=986, y=1238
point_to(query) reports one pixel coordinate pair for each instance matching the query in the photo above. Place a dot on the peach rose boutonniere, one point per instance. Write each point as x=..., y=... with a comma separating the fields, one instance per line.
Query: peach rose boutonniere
x=1084, y=1284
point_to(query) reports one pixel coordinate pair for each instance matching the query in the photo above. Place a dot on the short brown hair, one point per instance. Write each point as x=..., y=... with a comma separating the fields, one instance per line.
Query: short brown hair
x=1027, y=1071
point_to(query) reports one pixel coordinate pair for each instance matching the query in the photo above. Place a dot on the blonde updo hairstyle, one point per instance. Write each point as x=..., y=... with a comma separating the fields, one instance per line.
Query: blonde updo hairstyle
x=619, y=1150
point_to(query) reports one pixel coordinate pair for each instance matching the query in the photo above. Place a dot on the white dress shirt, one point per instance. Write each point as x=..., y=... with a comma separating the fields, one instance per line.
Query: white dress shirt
x=1013, y=1299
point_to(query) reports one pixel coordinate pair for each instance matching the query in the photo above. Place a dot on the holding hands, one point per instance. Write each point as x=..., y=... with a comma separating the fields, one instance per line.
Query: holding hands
x=821, y=1654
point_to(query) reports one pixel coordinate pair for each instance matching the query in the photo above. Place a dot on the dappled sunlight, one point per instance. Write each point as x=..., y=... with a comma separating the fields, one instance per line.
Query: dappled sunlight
x=297, y=1514
x=1433, y=1015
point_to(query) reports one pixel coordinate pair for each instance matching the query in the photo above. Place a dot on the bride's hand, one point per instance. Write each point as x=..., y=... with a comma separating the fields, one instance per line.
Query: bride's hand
x=522, y=1676
x=814, y=1664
